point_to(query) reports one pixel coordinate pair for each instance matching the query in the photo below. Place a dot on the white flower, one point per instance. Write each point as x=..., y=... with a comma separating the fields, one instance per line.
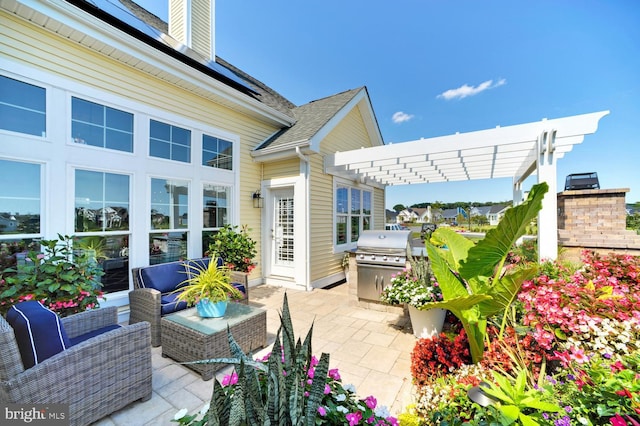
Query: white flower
x=205, y=408
x=341, y=397
x=382, y=411
x=350, y=388
x=180, y=414
x=342, y=409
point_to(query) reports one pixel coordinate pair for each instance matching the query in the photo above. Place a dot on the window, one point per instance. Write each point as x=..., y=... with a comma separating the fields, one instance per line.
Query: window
x=102, y=202
x=22, y=107
x=19, y=198
x=170, y=142
x=102, y=224
x=169, y=215
x=98, y=125
x=217, y=152
x=215, y=201
x=353, y=213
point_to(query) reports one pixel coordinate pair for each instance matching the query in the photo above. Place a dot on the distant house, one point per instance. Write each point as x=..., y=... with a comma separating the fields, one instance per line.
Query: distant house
x=8, y=223
x=496, y=213
x=481, y=211
x=408, y=215
x=451, y=215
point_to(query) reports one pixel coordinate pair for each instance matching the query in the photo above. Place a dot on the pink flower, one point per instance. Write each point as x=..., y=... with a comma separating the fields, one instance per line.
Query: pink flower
x=371, y=402
x=314, y=362
x=354, y=418
x=230, y=379
x=327, y=389
x=579, y=356
x=334, y=374
x=322, y=411
x=617, y=420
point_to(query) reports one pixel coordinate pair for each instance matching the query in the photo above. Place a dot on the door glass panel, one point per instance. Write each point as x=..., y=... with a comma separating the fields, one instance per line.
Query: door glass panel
x=284, y=231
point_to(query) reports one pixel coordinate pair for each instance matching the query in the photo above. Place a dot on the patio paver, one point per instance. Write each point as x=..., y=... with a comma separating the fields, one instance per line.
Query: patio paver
x=371, y=349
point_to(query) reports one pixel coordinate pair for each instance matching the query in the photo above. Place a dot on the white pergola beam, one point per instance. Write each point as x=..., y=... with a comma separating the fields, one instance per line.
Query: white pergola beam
x=513, y=151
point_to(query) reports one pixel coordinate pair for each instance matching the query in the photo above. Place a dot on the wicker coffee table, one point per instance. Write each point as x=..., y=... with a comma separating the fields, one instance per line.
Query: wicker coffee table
x=188, y=337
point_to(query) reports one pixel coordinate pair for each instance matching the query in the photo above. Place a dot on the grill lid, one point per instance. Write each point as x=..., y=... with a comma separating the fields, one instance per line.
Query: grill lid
x=373, y=241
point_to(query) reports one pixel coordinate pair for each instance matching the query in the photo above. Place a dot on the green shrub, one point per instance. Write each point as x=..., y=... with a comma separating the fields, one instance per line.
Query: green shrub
x=65, y=283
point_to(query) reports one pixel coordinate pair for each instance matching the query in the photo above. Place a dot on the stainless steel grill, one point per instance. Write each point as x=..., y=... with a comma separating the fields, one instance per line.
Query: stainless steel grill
x=379, y=255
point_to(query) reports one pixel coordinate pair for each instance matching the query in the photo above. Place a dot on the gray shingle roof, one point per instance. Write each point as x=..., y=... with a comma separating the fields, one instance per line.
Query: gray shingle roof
x=310, y=118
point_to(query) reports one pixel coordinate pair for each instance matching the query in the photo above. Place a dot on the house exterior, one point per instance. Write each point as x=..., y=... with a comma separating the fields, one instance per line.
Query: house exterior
x=150, y=143
x=408, y=215
x=451, y=215
x=496, y=213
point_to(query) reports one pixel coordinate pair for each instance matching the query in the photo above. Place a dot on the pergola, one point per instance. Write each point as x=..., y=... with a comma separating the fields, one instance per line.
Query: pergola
x=514, y=151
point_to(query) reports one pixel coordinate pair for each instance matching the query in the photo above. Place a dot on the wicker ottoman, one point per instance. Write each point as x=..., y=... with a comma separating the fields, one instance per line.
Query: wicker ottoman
x=188, y=337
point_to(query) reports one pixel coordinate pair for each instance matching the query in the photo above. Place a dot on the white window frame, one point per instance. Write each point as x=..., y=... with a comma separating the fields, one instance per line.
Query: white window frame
x=47, y=108
x=104, y=105
x=338, y=183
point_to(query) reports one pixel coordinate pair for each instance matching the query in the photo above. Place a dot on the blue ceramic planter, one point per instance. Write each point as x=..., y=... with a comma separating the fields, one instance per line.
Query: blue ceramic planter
x=207, y=309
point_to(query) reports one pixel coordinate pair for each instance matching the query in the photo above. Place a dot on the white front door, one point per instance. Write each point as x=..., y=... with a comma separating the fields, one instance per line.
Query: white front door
x=282, y=232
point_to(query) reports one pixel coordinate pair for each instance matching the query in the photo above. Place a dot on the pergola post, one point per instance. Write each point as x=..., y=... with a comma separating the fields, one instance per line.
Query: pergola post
x=548, y=216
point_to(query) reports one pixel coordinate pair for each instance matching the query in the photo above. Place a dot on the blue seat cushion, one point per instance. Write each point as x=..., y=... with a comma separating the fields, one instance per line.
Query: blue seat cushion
x=240, y=287
x=164, y=277
x=81, y=338
x=168, y=304
x=194, y=266
x=38, y=330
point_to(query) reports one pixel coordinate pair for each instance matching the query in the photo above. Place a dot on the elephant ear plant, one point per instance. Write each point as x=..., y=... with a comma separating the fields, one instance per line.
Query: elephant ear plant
x=475, y=285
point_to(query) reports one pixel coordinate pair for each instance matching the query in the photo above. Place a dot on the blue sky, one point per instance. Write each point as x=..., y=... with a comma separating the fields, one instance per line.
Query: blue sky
x=434, y=68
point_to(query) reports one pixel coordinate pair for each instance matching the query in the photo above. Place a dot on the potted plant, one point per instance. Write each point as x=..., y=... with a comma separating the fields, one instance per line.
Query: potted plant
x=416, y=287
x=208, y=287
x=64, y=283
x=236, y=248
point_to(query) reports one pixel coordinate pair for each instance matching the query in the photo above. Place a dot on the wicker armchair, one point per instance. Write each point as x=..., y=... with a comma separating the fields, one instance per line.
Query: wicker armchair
x=145, y=303
x=96, y=377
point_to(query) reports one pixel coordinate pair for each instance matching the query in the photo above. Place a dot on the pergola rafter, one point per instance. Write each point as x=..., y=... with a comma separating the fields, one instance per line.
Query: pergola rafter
x=513, y=151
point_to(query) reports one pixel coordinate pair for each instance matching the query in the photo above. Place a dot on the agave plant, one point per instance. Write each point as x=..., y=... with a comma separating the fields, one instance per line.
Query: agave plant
x=275, y=392
x=475, y=285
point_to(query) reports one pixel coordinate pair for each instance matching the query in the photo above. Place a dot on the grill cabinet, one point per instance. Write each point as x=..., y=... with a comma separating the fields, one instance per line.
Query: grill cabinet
x=379, y=255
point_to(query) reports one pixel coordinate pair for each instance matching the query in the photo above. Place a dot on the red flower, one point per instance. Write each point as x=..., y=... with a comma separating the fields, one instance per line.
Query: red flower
x=624, y=392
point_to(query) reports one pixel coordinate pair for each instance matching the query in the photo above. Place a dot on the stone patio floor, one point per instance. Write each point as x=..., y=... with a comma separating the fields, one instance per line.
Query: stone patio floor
x=371, y=349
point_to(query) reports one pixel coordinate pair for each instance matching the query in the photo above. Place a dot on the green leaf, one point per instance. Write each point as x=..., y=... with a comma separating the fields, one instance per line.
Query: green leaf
x=452, y=287
x=535, y=403
x=491, y=251
x=511, y=412
x=506, y=289
x=457, y=246
x=560, y=334
x=503, y=384
x=527, y=420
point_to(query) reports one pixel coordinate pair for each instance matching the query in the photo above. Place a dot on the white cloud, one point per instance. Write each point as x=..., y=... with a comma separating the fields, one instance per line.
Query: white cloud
x=466, y=90
x=401, y=117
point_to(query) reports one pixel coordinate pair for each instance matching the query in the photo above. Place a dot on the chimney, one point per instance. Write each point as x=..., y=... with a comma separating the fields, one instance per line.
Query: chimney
x=192, y=23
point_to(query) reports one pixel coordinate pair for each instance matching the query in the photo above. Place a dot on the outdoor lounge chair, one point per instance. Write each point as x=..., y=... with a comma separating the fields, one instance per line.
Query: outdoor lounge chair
x=154, y=296
x=96, y=376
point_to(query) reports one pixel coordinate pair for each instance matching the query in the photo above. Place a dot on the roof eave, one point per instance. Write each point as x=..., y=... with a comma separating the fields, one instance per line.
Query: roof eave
x=132, y=49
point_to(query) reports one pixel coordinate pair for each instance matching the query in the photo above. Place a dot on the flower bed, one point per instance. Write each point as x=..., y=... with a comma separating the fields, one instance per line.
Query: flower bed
x=570, y=355
x=289, y=386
